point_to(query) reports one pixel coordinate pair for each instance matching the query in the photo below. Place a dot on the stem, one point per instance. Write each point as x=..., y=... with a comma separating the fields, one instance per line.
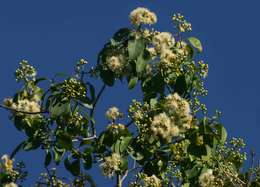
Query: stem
x=17, y=149
x=118, y=181
x=93, y=109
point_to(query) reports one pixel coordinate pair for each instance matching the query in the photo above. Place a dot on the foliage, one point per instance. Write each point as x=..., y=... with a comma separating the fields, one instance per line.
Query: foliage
x=173, y=142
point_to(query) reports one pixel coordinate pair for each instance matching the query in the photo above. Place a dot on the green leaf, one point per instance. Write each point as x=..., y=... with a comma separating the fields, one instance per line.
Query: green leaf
x=64, y=140
x=186, y=185
x=222, y=132
x=31, y=144
x=58, y=154
x=133, y=81
x=124, y=143
x=153, y=103
x=140, y=63
x=195, y=42
x=47, y=160
x=136, y=155
x=193, y=172
x=135, y=48
x=73, y=167
x=59, y=109
x=116, y=147
x=87, y=160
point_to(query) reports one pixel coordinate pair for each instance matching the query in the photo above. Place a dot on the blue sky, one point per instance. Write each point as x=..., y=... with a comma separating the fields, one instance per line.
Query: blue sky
x=53, y=35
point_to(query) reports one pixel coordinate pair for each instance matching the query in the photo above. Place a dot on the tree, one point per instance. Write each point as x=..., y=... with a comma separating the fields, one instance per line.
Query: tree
x=167, y=138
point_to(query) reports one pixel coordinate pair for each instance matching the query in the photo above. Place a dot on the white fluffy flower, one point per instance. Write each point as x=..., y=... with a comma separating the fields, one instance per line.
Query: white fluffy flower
x=163, y=40
x=10, y=185
x=142, y=16
x=206, y=179
x=163, y=126
x=113, y=113
x=28, y=106
x=111, y=164
x=116, y=63
x=7, y=163
x=180, y=111
x=167, y=55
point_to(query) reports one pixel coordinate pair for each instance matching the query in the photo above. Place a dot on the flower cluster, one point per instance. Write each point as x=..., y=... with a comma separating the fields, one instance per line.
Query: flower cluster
x=142, y=16
x=111, y=164
x=162, y=126
x=163, y=40
x=152, y=181
x=181, y=23
x=76, y=119
x=204, y=68
x=6, y=167
x=73, y=88
x=12, y=184
x=179, y=150
x=113, y=113
x=25, y=72
x=179, y=110
x=7, y=164
x=206, y=179
x=23, y=105
x=117, y=129
x=116, y=64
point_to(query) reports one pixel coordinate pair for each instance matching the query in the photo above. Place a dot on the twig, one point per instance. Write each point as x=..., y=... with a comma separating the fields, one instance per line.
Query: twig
x=83, y=139
x=93, y=109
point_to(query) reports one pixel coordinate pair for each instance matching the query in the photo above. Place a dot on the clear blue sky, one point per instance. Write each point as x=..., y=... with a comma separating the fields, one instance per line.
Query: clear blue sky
x=52, y=35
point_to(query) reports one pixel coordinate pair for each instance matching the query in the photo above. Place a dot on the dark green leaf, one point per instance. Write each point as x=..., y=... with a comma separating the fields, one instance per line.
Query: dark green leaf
x=107, y=77
x=73, y=167
x=64, y=140
x=122, y=34
x=47, y=160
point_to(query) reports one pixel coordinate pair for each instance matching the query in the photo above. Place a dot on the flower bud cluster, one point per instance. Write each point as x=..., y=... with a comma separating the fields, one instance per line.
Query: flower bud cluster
x=142, y=16
x=117, y=129
x=204, y=68
x=77, y=119
x=25, y=72
x=73, y=88
x=110, y=165
x=181, y=23
x=152, y=181
x=179, y=150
